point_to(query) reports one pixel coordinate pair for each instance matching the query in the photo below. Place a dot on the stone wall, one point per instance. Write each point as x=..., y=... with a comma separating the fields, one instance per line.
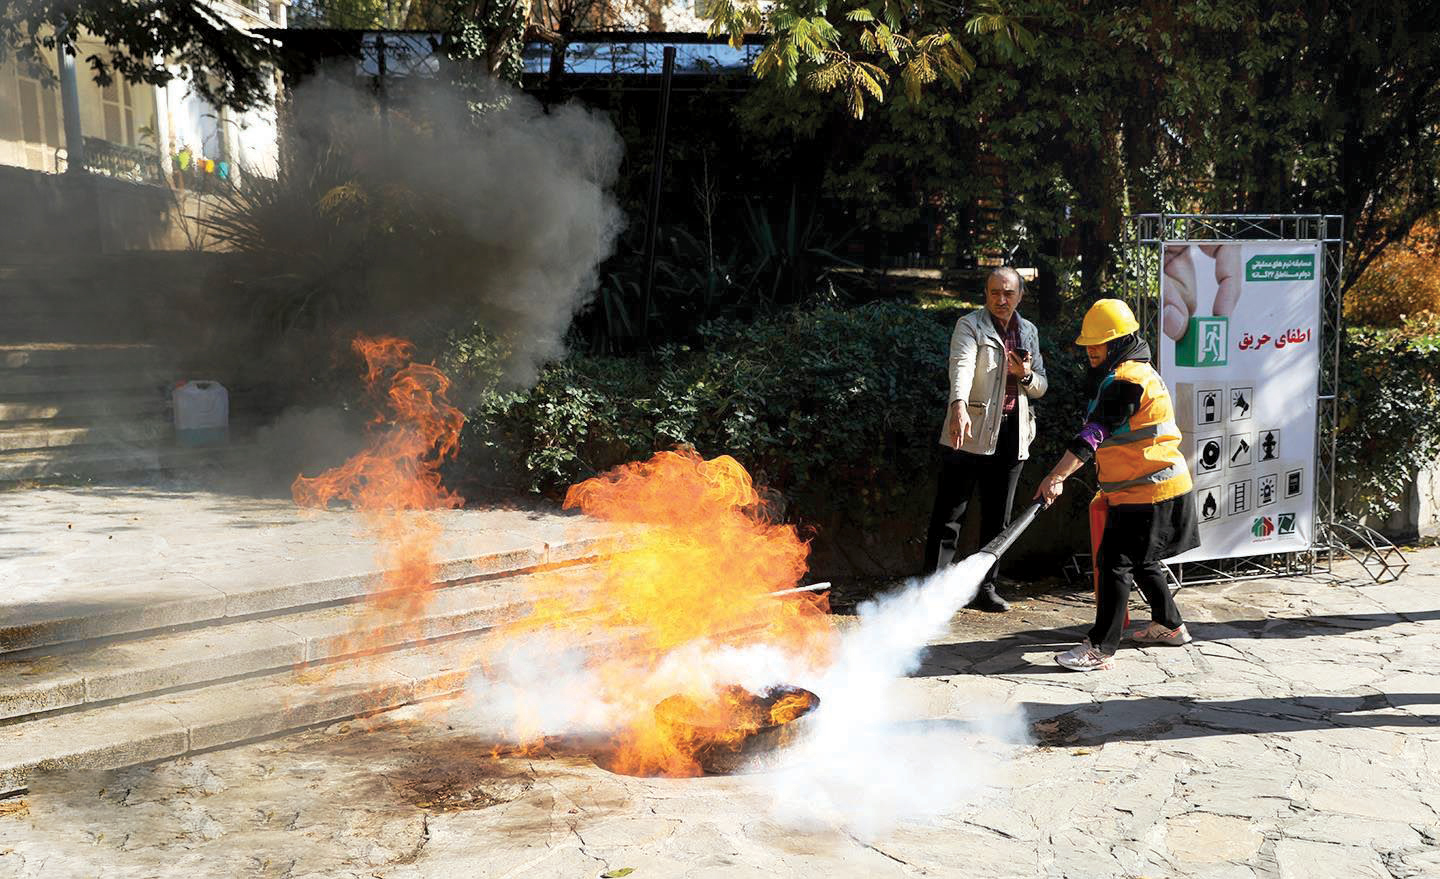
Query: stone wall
x=65, y=214
x=1419, y=513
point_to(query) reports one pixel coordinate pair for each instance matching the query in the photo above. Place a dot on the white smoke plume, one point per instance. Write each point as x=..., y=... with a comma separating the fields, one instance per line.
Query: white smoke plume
x=866, y=763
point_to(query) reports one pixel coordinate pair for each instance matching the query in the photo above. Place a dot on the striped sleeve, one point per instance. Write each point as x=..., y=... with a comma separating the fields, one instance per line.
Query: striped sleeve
x=1117, y=401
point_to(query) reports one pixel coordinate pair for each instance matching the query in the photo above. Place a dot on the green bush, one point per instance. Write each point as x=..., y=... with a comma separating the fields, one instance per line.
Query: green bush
x=839, y=410
x=836, y=410
x=1388, y=431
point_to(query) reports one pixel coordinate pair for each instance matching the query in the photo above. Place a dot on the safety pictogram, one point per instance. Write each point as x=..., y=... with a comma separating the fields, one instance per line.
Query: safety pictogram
x=1269, y=445
x=1267, y=489
x=1207, y=406
x=1210, y=454
x=1241, y=453
x=1240, y=497
x=1210, y=504
x=1241, y=403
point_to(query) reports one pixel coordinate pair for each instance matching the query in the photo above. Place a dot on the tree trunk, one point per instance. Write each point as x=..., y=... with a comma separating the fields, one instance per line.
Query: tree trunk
x=1047, y=282
x=555, y=77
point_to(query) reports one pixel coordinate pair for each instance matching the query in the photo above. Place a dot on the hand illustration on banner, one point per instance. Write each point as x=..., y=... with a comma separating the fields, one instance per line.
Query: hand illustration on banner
x=1180, y=304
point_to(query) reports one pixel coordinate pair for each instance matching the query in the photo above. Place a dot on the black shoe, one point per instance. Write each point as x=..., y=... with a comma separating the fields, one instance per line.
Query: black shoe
x=987, y=599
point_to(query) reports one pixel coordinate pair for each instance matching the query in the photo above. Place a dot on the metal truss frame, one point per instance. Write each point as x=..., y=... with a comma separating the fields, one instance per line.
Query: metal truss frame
x=1143, y=259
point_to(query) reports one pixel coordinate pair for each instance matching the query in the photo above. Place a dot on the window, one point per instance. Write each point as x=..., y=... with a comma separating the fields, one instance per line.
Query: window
x=39, y=123
x=119, y=112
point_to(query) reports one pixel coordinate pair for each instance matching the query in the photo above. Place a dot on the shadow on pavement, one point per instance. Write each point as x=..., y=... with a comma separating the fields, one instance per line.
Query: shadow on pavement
x=1001, y=655
x=1184, y=717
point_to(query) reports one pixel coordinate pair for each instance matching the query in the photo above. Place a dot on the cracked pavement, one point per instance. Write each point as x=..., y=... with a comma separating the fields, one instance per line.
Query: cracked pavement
x=1298, y=736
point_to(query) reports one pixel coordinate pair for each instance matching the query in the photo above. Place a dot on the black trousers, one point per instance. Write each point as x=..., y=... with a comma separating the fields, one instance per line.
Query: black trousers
x=1136, y=538
x=961, y=473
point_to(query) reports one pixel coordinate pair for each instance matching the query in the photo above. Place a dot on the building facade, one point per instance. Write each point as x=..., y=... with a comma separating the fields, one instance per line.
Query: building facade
x=143, y=133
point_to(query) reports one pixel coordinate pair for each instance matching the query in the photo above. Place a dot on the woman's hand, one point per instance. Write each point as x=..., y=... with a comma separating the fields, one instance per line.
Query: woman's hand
x=1051, y=487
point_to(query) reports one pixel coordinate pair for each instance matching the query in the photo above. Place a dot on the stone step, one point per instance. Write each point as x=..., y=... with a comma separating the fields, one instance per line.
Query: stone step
x=96, y=461
x=38, y=681
x=81, y=406
x=159, y=727
x=77, y=356
x=14, y=274
x=285, y=580
x=88, y=312
x=177, y=265
x=50, y=382
x=34, y=435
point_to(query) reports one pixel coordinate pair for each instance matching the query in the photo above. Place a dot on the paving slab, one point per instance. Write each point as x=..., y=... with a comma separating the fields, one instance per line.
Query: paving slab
x=1208, y=761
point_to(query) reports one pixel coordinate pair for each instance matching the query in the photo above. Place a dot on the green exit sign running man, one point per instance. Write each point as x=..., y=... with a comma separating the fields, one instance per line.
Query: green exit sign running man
x=1206, y=342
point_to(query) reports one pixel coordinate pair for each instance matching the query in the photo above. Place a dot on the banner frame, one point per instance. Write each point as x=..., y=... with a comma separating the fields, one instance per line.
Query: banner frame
x=1143, y=261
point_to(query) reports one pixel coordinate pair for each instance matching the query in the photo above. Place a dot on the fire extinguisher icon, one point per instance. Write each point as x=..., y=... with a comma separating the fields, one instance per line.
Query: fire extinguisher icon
x=1209, y=409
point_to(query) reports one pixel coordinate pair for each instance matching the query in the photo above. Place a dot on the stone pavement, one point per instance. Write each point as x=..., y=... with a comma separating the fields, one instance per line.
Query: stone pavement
x=1298, y=737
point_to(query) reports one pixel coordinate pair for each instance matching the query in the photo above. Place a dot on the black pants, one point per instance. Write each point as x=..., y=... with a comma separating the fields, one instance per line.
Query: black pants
x=1136, y=538
x=960, y=474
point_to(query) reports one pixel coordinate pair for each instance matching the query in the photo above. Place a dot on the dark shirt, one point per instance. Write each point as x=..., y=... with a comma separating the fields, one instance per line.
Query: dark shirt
x=1011, y=337
x=1115, y=403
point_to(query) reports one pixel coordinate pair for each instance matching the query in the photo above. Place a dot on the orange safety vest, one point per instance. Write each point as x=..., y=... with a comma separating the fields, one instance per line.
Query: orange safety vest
x=1141, y=462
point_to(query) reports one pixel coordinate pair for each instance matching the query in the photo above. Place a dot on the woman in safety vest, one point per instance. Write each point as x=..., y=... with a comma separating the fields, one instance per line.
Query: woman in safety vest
x=1145, y=509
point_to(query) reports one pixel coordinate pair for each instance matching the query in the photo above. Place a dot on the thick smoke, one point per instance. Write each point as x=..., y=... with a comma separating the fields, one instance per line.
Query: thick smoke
x=867, y=762
x=499, y=218
x=429, y=221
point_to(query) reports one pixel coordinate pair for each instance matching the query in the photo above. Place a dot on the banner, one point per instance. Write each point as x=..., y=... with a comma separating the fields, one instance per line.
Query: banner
x=1240, y=352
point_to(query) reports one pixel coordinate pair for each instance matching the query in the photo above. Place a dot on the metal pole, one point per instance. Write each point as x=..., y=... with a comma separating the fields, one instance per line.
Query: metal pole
x=1339, y=318
x=1013, y=531
x=70, y=107
x=656, y=176
x=380, y=70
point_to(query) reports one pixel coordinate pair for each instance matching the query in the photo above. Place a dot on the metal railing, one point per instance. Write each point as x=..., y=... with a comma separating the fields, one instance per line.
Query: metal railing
x=123, y=162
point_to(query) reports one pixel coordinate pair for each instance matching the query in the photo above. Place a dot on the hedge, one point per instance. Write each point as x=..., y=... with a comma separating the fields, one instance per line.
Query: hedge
x=838, y=411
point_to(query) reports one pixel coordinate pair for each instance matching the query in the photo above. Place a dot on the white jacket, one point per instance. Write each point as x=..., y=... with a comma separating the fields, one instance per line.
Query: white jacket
x=977, y=377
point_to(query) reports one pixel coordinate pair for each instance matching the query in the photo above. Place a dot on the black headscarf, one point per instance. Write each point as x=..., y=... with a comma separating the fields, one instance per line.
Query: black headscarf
x=1131, y=347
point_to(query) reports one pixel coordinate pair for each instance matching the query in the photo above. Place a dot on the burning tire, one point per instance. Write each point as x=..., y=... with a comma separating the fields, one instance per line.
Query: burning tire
x=737, y=726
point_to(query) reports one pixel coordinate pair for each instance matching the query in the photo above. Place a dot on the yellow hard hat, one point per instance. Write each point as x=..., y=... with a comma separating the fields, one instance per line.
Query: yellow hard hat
x=1107, y=319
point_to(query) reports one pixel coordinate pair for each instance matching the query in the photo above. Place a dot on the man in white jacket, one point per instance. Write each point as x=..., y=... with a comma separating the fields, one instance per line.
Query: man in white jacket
x=995, y=371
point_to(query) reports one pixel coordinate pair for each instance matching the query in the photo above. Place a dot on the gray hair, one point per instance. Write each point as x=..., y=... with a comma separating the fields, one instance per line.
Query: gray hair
x=1007, y=270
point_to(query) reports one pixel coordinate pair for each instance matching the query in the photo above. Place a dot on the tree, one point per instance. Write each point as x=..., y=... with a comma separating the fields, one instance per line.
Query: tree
x=859, y=46
x=1290, y=107
x=483, y=36
x=1220, y=106
x=355, y=14
x=146, y=41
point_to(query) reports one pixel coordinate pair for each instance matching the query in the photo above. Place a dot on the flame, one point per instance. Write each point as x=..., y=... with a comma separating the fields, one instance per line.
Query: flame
x=791, y=706
x=693, y=581
x=396, y=478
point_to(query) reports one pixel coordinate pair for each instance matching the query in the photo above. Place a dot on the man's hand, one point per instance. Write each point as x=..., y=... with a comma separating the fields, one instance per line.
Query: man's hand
x=1017, y=367
x=1051, y=487
x=960, y=427
x=1179, y=304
